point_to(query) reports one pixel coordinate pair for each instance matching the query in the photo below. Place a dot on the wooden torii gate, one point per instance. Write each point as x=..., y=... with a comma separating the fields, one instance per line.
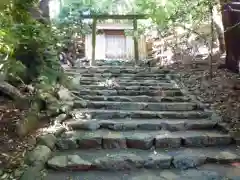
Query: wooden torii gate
x=96, y=17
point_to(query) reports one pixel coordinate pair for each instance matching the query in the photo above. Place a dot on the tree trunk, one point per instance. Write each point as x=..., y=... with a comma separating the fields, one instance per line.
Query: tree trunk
x=231, y=18
x=41, y=13
x=44, y=7
x=218, y=25
x=11, y=91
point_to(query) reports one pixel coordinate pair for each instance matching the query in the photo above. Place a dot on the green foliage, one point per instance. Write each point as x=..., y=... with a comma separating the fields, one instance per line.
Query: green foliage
x=27, y=46
x=69, y=22
x=166, y=14
x=163, y=14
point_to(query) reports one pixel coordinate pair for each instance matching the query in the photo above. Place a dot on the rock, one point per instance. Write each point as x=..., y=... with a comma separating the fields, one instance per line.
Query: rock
x=200, y=175
x=158, y=161
x=106, y=124
x=60, y=118
x=90, y=140
x=148, y=126
x=143, y=176
x=203, y=124
x=39, y=155
x=77, y=163
x=32, y=172
x=120, y=161
x=64, y=94
x=133, y=106
x=69, y=162
x=48, y=140
x=188, y=160
x=168, y=175
x=18, y=173
x=173, y=126
x=224, y=157
x=167, y=141
x=140, y=141
x=129, y=126
x=5, y=176
x=80, y=103
x=53, y=109
x=58, y=162
x=66, y=107
x=29, y=123
x=75, y=82
x=66, y=143
x=119, y=125
x=59, y=130
x=218, y=139
x=85, y=125
x=113, y=140
x=1, y=172
x=195, y=139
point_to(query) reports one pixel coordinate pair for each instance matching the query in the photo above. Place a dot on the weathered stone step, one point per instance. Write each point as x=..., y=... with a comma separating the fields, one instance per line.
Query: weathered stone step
x=114, y=92
x=136, y=76
x=204, y=172
x=120, y=114
x=137, y=139
x=117, y=70
x=160, y=87
x=143, y=124
x=120, y=160
x=144, y=106
x=137, y=98
x=128, y=76
x=123, y=78
x=127, y=79
x=123, y=82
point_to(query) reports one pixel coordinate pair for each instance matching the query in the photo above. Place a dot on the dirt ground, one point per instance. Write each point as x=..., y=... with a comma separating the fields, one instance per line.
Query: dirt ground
x=12, y=146
x=222, y=92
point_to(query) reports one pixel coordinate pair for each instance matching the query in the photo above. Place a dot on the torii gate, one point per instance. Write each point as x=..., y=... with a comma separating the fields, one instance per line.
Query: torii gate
x=96, y=17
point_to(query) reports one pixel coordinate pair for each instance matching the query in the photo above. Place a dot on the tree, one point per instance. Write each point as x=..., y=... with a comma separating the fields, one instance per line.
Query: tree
x=27, y=46
x=218, y=24
x=231, y=19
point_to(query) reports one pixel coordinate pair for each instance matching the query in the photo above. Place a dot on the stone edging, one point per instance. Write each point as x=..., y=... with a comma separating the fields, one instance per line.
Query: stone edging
x=35, y=160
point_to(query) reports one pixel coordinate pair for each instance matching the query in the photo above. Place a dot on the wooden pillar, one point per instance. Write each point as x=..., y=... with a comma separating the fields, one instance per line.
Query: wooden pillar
x=92, y=62
x=135, y=39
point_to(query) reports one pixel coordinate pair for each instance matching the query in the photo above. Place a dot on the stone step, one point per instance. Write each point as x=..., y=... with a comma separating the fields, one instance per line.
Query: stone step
x=120, y=114
x=144, y=106
x=162, y=86
x=121, y=82
x=114, y=92
x=139, y=139
x=117, y=70
x=144, y=79
x=138, y=76
x=120, y=160
x=137, y=98
x=204, y=172
x=143, y=124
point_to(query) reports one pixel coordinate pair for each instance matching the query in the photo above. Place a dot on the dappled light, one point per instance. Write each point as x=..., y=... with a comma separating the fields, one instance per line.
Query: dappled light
x=83, y=115
x=105, y=86
x=108, y=83
x=49, y=129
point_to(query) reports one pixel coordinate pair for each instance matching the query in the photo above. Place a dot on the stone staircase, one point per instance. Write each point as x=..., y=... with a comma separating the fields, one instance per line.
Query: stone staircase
x=136, y=123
